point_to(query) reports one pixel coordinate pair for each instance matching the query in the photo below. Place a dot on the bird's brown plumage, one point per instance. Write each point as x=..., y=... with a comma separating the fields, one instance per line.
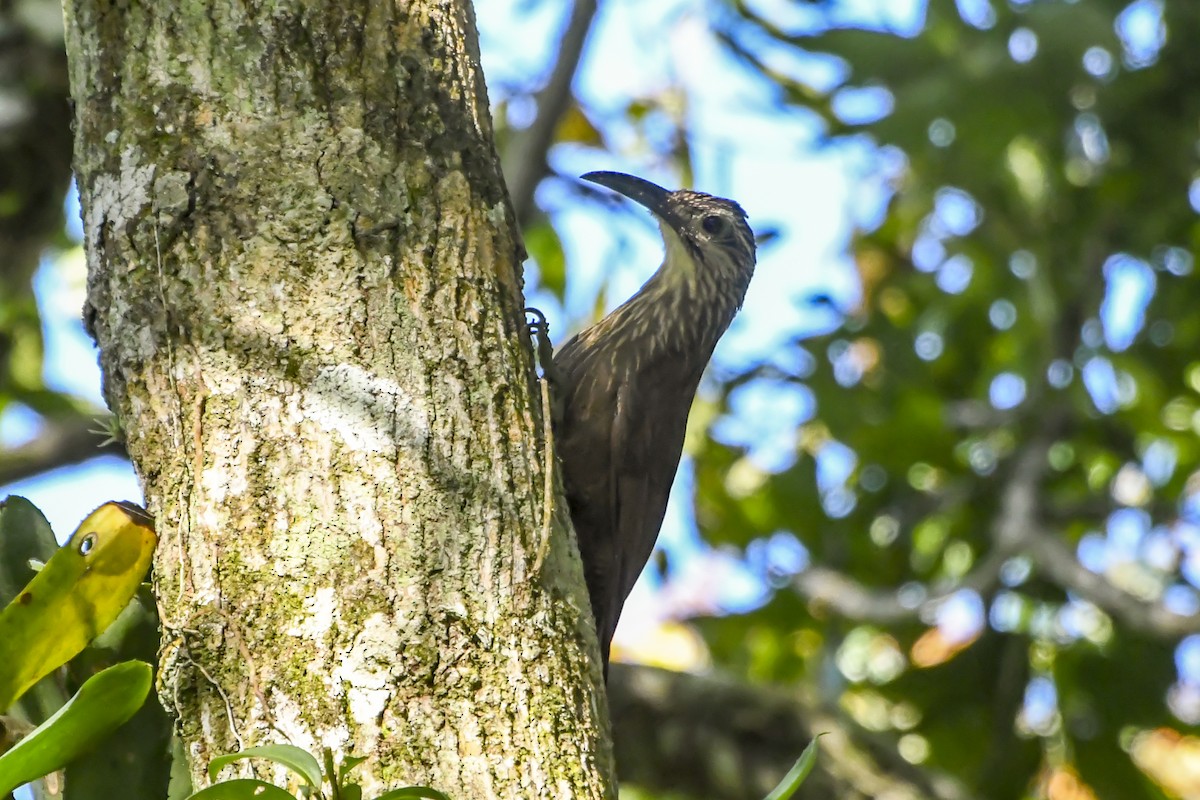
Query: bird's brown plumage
x=625, y=386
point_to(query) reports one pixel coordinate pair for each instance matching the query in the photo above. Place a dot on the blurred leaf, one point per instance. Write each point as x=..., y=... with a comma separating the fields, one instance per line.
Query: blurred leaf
x=766, y=236
x=348, y=763
x=544, y=246
x=574, y=126
x=25, y=536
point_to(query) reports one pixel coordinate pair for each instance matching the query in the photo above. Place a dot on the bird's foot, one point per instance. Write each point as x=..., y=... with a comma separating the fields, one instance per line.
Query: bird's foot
x=540, y=330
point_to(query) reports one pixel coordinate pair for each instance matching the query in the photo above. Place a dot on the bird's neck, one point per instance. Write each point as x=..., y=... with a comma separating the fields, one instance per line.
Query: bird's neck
x=683, y=308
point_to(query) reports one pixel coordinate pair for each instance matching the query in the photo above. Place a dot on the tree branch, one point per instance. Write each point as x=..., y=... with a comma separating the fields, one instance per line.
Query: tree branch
x=1018, y=529
x=526, y=160
x=1022, y=529
x=61, y=443
x=723, y=740
x=1059, y=564
x=853, y=600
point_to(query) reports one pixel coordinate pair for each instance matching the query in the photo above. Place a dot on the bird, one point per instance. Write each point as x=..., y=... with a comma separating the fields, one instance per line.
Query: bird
x=624, y=386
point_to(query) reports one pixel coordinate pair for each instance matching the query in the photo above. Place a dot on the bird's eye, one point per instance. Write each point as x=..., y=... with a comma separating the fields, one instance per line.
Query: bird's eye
x=714, y=224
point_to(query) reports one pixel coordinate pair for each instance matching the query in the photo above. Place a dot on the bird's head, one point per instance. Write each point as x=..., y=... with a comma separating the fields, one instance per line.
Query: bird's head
x=707, y=238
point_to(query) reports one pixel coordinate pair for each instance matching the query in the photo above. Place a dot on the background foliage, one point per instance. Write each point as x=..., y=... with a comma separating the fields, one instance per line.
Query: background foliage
x=971, y=532
x=998, y=479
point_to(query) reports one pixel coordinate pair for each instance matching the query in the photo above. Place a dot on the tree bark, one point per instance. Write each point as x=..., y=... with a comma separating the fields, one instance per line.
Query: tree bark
x=305, y=285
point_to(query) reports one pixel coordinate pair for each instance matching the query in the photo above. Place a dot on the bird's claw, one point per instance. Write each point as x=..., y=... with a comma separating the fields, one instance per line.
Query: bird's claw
x=540, y=329
x=539, y=326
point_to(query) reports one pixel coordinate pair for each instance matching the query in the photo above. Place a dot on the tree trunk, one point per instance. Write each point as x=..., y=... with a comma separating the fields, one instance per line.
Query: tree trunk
x=305, y=285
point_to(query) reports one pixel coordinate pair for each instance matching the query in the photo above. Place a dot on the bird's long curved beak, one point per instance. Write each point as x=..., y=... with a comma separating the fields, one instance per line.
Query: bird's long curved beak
x=650, y=195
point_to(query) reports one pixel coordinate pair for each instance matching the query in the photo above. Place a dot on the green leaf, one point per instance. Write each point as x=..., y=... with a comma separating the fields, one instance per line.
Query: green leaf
x=791, y=782
x=136, y=761
x=414, y=791
x=180, y=785
x=102, y=704
x=24, y=536
x=348, y=763
x=26, y=544
x=297, y=759
x=81, y=590
x=242, y=789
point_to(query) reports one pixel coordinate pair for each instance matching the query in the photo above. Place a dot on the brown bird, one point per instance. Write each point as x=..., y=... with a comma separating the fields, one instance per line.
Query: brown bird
x=624, y=386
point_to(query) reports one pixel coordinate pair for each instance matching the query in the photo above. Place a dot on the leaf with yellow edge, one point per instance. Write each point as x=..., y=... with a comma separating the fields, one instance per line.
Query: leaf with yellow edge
x=75, y=596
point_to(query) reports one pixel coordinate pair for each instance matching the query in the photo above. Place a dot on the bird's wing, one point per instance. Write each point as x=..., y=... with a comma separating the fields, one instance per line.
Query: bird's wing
x=590, y=387
x=625, y=436
x=625, y=503
x=643, y=462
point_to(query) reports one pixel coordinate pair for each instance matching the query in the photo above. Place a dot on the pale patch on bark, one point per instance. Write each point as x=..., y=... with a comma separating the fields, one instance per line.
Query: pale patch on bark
x=366, y=675
x=290, y=720
x=320, y=614
x=120, y=198
x=370, y=413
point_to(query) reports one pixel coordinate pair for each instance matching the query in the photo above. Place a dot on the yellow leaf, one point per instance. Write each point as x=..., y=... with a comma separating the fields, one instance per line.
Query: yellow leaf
x=75, y=596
